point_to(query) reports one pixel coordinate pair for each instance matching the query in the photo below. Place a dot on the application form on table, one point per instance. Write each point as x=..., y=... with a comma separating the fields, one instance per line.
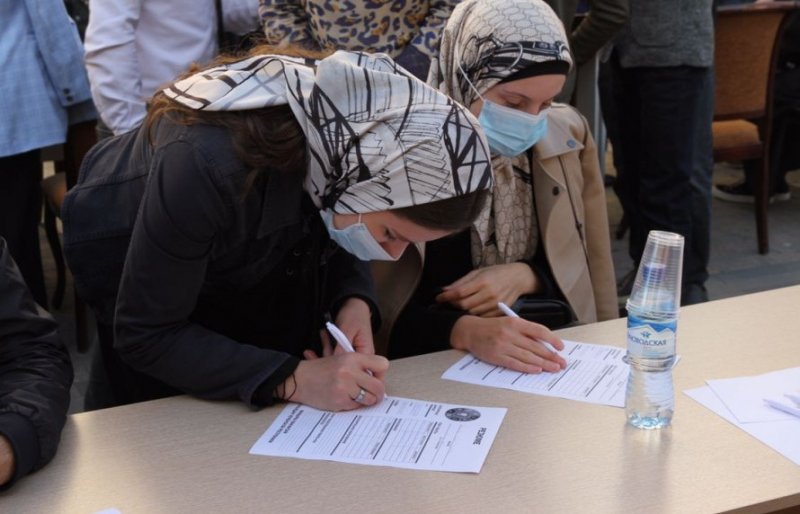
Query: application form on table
x=782, y=436
x=744, y=396
x=594, y=373
x=398, y=432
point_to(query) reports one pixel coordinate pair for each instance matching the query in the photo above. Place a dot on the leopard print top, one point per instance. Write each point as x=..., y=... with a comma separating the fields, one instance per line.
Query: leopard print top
x=386, y=26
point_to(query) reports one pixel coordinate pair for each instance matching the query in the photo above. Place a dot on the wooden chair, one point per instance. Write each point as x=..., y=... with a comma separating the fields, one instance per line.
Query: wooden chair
x=746, y=51
x=80, y=137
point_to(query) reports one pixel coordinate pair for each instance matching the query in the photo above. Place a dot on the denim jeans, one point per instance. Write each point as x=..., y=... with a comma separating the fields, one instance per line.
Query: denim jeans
x=665, y=117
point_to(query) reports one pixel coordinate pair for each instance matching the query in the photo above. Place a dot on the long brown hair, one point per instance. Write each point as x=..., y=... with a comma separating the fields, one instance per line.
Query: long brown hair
x=453, y=214
x=270, y=138
x=265, y=138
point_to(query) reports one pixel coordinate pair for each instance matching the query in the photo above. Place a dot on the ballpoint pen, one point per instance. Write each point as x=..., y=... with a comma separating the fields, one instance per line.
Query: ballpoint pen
x=795, y=397
x=794, y=411
x=341, y=338
x=509, y=312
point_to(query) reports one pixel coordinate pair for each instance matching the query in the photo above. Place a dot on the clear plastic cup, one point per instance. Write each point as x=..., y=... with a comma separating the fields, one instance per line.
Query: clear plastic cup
x=657, y=287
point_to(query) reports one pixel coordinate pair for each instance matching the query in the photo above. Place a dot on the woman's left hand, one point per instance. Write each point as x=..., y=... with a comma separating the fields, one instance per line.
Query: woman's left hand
x=478, y=291
x=355, y=321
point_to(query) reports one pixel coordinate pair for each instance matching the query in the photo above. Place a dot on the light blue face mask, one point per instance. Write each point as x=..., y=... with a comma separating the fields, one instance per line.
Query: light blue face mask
x=355, y=239
x=509, y=131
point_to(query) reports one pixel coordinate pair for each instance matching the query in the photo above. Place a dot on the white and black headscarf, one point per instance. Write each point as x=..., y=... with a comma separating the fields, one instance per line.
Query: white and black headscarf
x=378, y=138
x=495, y=41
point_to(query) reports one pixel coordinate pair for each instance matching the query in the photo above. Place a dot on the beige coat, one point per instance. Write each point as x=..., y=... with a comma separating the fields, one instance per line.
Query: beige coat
x=573, y=222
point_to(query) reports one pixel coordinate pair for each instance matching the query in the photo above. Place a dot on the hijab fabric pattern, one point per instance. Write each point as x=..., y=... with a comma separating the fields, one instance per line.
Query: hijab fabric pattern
x=489, y=41
x=378, y=138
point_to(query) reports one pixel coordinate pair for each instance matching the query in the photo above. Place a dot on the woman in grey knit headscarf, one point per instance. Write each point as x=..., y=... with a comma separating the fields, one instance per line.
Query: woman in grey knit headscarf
x=544, y=233
x=514, y=54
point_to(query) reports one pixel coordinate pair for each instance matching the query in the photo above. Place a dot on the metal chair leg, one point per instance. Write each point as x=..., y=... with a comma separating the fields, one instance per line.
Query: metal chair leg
x=761, y=203
x=55, y=247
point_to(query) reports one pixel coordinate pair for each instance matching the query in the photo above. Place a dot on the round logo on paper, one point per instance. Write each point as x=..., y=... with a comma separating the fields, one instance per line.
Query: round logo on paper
x=462, y=414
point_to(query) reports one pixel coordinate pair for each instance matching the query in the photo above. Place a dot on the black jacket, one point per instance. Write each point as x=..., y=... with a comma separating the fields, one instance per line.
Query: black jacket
x=35, y=373
x=223, y=285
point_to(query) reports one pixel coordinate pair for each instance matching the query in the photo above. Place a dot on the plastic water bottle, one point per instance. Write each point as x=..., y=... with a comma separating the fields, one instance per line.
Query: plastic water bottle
x=652, y=328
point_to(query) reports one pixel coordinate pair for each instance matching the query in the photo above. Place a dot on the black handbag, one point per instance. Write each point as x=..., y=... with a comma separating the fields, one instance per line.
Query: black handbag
x=548, y=312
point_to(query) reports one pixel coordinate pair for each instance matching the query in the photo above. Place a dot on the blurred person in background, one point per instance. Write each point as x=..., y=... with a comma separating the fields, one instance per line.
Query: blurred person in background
x=407, y=31
x=602, y=19
x=784, y=153
x=663, y=90
x=35, y=378
x=44, y=91
x=135, y=47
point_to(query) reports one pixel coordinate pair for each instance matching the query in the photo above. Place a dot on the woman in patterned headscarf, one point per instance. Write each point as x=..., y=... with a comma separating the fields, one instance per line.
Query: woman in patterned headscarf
x=258, y=172
x=544, y=233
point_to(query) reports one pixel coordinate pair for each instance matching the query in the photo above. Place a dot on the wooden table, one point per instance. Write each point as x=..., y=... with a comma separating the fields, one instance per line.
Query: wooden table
x=551, y=455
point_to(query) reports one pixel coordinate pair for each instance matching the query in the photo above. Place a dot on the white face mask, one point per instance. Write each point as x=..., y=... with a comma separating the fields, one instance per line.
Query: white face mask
x=355, y=239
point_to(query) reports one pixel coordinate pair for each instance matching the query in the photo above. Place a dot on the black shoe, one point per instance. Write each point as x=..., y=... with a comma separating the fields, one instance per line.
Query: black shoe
x=693, y=294
x=742, y=193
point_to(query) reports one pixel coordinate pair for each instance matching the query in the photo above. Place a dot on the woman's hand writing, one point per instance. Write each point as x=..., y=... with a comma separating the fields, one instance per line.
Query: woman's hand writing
x=513, y=343
x=333, y=383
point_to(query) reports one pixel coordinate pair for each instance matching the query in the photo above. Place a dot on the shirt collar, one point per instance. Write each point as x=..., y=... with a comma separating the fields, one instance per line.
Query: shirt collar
x=558, y=141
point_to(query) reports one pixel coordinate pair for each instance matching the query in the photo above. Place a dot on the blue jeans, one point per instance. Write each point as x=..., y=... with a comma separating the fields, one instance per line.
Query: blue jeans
x=665, y=117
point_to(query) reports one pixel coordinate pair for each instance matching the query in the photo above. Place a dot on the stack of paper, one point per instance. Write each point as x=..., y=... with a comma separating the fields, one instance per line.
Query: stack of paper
x=745, y=402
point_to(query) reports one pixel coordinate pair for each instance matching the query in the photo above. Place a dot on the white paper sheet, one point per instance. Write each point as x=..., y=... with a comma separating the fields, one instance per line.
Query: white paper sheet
x=781, y=436
x=744, y=396
x=398, y=432
x=595, y=374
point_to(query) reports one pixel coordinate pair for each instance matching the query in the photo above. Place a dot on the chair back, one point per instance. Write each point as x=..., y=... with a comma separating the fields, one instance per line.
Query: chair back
x=745, y=53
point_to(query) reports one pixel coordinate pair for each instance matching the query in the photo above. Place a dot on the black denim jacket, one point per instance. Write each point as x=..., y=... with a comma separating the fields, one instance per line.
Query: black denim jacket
x=202, y=254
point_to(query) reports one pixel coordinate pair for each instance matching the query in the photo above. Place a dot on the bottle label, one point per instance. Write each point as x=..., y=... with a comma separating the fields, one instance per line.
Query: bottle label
x=649, y=339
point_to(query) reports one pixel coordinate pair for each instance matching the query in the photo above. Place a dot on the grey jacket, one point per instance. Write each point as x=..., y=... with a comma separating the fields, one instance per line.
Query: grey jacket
x=663, y=33
x=601, y=23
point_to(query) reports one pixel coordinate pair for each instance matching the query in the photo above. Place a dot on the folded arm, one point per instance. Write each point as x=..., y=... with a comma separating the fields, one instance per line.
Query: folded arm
x=35, y=378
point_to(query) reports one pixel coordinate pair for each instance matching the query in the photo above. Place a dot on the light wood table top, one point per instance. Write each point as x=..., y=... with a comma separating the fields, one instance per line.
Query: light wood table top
x=551, y=455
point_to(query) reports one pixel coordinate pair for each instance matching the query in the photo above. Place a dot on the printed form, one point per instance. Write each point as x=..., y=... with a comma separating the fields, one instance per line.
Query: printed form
x=398, y=432
x=594, y=374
